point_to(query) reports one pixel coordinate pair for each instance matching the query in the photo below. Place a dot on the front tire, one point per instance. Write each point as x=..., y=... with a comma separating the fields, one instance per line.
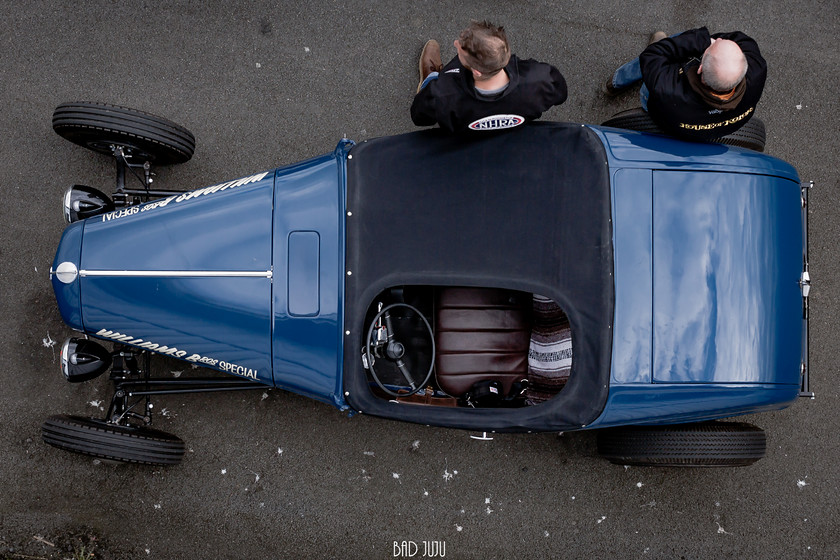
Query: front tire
x=752, y=135
x=710, y=444
x=143, y=136
x=97, y=438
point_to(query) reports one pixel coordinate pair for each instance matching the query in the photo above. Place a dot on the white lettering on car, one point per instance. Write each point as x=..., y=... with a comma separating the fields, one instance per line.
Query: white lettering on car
x=131, y=210
x=238, y=370
x=176, y=353
x=122, y=213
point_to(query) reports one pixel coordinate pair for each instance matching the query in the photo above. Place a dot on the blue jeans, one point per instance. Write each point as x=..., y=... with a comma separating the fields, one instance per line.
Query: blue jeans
x=429, y=78
x=630, y=73
x=627, y=75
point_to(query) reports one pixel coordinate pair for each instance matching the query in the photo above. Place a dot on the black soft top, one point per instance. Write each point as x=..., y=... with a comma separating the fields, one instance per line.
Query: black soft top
x=527, y=209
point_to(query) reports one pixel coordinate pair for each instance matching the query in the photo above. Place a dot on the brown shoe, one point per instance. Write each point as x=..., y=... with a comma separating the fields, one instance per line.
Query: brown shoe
x=611, y=90
x=429, y=60
x=656, y=36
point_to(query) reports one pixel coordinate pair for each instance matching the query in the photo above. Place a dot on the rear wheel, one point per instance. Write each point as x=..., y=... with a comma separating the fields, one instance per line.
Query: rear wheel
x=97, y=438
x=634, y=119
x=752, y=135
x=710, y=444
x=143, y=136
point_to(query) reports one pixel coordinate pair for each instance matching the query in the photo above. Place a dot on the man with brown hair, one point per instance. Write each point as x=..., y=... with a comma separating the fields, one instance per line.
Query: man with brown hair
x=484, y=87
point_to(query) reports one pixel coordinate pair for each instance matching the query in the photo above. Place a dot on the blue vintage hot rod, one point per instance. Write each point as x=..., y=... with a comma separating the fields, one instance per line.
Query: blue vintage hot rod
x=400, y=277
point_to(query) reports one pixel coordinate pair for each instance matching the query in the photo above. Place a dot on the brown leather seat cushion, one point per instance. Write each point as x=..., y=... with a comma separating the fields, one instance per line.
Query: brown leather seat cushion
x=481, y=334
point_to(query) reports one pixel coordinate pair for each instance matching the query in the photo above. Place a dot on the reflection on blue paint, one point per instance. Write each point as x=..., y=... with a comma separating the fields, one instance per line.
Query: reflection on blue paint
x=726, y=260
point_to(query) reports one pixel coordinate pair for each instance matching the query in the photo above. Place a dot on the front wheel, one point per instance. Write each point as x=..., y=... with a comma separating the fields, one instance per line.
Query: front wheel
x=142, y=136
x=709, y=444
x=97, y=438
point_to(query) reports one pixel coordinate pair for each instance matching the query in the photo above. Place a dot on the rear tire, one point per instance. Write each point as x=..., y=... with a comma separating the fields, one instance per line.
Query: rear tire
x=97, y=438
x=752, y=135
x=710, y=444
x=145, y=137
x=634, y=119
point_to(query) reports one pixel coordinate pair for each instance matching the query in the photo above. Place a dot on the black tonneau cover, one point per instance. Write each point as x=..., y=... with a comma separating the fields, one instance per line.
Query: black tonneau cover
x=527, y=209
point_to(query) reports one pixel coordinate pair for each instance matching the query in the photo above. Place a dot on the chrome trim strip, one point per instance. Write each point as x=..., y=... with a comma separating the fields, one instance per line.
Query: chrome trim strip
x=178, y=273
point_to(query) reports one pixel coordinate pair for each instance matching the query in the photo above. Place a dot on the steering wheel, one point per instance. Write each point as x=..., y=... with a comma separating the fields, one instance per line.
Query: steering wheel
x=386, y=346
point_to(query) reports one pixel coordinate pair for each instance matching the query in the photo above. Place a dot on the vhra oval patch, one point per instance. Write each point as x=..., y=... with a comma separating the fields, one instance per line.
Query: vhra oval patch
x=497, y=122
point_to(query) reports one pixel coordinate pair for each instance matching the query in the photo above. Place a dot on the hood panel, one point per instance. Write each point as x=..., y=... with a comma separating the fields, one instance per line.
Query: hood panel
x=222, y=229
x=188, y=276
x=221, y=323
x=727, y=255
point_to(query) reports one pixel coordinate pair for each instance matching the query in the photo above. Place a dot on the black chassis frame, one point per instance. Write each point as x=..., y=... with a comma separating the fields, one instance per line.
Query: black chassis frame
x=131, y=375
x=125, y=196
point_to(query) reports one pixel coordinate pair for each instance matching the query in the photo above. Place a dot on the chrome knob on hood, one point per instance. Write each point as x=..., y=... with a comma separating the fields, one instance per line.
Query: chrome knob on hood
x=66, y=272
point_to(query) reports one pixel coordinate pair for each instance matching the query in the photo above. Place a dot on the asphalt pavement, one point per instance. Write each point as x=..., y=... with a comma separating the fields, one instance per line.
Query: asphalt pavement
x=273, y=475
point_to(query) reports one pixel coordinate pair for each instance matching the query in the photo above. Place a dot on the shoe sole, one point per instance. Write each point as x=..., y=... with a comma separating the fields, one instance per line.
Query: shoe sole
x=420, y=65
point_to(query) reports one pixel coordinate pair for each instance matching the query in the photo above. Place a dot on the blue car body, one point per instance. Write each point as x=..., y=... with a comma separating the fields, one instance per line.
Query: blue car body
x=709, y=249
x=248, y=277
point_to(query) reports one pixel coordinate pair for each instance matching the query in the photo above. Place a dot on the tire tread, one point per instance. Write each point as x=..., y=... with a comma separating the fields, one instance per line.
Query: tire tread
x=706, y=444
x=81, y=122
x=120, y=443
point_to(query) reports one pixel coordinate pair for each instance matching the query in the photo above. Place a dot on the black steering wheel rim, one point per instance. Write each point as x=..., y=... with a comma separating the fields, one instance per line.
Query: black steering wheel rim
x=370, y=357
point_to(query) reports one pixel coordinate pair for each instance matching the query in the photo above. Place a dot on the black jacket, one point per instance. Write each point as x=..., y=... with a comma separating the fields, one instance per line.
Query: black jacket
x=676, y=106
x=452, y=102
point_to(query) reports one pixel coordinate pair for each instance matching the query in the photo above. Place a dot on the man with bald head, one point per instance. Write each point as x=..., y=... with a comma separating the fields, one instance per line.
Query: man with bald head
x=484, y=88
x=696, y=85
x=725, y=65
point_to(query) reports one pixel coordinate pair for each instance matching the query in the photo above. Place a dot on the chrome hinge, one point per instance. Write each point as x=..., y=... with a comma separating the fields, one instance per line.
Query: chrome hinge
x=803, y=192
x=804, y=385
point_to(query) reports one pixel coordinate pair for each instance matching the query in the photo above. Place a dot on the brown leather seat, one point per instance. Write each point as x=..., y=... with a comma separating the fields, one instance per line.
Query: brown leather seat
x=481, y=334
